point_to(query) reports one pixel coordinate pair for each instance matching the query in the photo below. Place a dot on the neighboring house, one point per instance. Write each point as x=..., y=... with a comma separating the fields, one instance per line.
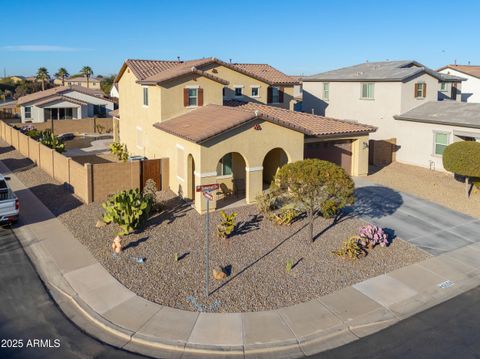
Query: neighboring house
x=374, y=92
x=471, y=85
x=226, y=123
x=16, y=79
x=114, y=91
x=426, y=130
x=298, y=93
x=93, y=82
x=64, y=102
x=9, y=110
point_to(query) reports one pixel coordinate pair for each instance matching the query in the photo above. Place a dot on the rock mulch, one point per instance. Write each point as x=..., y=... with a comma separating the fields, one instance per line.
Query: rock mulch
x=438, y=187
x=256, y=256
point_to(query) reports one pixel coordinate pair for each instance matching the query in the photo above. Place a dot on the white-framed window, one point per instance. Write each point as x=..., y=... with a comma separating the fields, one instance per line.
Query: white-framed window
x=420, y=90
x=145, y=96
x=368, y=91
x=326, y=91
x=69, y=83
x=255, y=91
x=224, y=166
x=94, y=83
x=443, y=86
x=238, y=91
x=275, y=95
x=440, y=142
x=28, y=112
x=193, y=97
x=139, y=138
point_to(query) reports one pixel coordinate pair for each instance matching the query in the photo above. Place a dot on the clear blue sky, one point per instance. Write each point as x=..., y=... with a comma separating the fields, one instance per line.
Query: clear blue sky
x=298, y=37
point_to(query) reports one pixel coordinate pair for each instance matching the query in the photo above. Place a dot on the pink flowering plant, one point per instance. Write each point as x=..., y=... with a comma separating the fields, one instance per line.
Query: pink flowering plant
x=372, y=235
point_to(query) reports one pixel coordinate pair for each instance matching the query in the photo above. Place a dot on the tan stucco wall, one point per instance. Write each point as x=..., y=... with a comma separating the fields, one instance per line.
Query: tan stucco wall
x=408, y=100
x=134, y=114
x=172, y=95
x=252, y=144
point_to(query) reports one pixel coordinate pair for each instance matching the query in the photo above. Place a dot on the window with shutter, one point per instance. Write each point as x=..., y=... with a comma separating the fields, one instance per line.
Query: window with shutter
x=269, y=95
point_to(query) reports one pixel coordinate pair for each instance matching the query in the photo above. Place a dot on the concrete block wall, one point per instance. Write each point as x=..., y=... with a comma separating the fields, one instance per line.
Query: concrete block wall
x=86, y=125
x=90, y=182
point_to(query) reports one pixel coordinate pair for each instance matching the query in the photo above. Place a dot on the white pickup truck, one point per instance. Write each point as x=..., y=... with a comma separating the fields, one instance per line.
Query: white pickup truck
x=9, y=203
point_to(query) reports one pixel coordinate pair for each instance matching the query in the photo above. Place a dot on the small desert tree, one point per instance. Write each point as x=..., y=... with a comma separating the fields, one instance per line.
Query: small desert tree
x=312, y=183
x=463, y=158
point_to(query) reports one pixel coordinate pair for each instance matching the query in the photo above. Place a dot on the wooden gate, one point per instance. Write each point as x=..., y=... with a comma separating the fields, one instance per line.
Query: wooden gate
x=151, y=169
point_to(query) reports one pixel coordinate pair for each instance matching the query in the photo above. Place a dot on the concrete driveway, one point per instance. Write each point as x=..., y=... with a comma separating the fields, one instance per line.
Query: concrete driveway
x=427, y=225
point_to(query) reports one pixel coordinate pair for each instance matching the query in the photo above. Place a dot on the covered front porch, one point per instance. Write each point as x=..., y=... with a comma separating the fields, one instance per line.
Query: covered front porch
x=61, y=113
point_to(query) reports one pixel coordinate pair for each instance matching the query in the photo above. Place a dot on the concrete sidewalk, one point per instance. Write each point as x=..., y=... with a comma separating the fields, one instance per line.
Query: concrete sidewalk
x=103, y=307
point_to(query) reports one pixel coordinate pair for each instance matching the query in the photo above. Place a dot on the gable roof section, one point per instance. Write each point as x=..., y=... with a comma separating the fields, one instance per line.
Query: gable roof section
x=463, y=114
x=385, y=71
x=36, y=96
x=267, y=74
x=51, y=99
x=472, y=70
x=209, y=121
x=157, y=71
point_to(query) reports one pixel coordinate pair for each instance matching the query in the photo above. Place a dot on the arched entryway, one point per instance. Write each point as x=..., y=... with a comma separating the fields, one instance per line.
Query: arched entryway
x=191, y=177
x=273, y=160
x=231, y=175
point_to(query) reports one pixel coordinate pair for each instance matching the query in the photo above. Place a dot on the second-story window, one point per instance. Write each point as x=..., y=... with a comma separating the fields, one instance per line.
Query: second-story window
x=255, y=91
x=326, y=91
x=238, y=91
x=145, y=96
x=275, y=95
x=192, y=97
x=443, y=86
x=420, y=90
x=368, y=89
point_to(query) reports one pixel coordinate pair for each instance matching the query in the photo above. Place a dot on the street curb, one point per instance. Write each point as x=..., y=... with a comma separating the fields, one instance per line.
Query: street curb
x=347, y=330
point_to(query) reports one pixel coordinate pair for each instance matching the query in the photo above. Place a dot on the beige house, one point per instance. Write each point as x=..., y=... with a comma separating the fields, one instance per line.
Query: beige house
x=224, y=123
x=471, y=85
x=93, y=82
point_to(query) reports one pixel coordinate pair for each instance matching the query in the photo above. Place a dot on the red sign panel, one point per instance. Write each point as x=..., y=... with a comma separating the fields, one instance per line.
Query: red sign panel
x=207, y=187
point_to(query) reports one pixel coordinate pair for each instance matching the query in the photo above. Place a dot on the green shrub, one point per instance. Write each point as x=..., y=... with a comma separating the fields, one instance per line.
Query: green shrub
x=128, y=209
x=119, y=150
x=463, y=158
x=227, y=224
x=150, y=193
x=48, y=139
x=285, y=215
x=351, y=248
x=289, y=266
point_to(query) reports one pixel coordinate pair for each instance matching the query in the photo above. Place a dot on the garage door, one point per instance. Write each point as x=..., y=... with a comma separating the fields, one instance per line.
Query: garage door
x=338, y=152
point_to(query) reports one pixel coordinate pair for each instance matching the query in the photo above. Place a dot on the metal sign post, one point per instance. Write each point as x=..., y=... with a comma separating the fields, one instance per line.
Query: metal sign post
x=206, y=189
x=207, y=230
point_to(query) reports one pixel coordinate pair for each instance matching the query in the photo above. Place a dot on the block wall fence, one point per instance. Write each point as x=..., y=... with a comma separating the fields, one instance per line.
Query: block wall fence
x=89, y=182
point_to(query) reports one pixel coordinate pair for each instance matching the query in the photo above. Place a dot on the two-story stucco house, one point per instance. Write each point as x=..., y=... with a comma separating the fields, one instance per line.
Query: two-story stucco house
x=62, y=103
x=471, y=84
x=225, y=123
x=93, y=82
x=375, y=93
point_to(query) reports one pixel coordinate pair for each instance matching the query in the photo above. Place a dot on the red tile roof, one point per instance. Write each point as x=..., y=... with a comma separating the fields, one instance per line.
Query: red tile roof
x=209, y=121
x=472, y=70
x=156, y=71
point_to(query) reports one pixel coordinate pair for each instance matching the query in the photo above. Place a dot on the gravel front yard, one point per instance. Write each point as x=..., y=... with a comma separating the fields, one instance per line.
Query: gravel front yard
x=257, y=254
x=437, y=187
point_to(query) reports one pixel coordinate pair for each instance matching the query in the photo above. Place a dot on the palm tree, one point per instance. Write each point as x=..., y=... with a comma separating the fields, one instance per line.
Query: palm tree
x=87, y=72
x=42, y=75
x=61, y=74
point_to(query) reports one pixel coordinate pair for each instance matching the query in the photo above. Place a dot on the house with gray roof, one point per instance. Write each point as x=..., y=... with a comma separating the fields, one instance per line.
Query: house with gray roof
x=426, y=130
x=64, y=103
x=375, y=92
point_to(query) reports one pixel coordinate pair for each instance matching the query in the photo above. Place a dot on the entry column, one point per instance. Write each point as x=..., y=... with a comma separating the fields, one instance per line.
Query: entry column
x=204, y=179
x=254, y=183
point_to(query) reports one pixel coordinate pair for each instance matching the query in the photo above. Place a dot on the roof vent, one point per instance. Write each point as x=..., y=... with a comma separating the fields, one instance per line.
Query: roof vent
x=193, y=68
x=256, y=113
